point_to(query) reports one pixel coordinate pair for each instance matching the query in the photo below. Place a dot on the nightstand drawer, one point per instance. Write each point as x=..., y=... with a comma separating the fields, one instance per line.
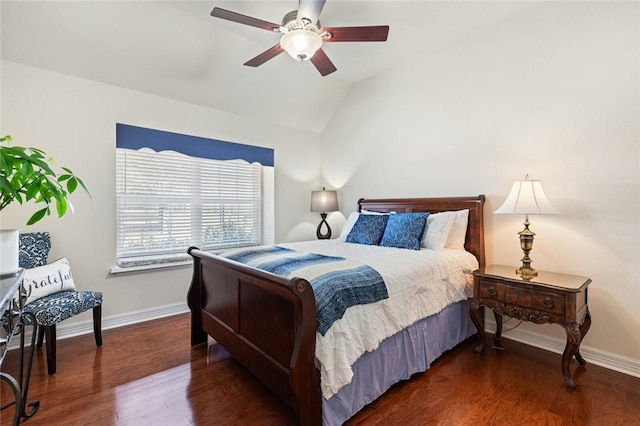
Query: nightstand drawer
x=534, y=299
x=491, y=290
x=549, y=302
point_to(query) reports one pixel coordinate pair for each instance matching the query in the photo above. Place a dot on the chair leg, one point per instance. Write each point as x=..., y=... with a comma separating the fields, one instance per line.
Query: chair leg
x=97, y=324
x=50, y=333
x=40, y=331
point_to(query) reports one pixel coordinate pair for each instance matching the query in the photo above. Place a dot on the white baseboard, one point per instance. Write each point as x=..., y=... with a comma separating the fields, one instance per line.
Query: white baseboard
x=599, y=357
x=65, y=331
x=86, y=327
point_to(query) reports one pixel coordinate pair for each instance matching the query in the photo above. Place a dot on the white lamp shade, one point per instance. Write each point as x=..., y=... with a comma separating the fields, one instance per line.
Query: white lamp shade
x=324, y=201
x=301, y=44
x=527, y=197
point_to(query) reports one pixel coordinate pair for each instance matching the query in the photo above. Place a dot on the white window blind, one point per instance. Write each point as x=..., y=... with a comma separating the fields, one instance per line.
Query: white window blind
x=167, y=201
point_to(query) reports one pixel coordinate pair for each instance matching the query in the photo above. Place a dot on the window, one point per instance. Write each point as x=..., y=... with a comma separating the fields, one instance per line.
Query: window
x=168, y=201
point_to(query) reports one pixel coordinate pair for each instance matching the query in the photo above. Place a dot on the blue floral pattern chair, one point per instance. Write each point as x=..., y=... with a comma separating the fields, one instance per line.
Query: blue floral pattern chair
x=56, y=307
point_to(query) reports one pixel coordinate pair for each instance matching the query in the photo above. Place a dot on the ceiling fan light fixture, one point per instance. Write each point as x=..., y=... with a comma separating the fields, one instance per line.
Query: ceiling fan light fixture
x=303, y=35
x=301, y=44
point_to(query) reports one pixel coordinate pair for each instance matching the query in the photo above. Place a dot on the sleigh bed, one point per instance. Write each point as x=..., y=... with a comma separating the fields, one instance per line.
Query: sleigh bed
x=269, y=322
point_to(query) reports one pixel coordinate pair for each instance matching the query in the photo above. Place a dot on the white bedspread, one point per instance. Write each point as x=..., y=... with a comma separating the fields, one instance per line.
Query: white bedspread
x=420, y=283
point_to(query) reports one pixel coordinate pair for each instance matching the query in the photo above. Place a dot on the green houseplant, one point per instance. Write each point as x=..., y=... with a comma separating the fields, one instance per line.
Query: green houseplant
x=26, y=175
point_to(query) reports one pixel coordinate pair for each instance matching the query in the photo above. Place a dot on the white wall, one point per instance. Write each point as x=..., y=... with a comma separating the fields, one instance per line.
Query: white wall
x=553, y=93
x=74, y=121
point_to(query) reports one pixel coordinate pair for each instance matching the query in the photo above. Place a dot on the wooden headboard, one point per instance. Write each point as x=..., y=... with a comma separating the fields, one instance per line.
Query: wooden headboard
x=474, y=241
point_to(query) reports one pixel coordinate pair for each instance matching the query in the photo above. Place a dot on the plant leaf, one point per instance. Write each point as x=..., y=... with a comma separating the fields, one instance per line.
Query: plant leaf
x=83, y=185
x=61, y=206
x=72, y=184
x=38, y=215
x=6, y=186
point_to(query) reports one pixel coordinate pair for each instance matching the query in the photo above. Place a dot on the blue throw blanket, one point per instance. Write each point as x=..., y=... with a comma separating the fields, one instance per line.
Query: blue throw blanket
x=338, y=283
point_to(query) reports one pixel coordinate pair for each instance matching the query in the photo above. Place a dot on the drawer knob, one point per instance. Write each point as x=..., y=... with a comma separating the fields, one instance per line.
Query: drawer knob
x=492, y=291
x=547, y=302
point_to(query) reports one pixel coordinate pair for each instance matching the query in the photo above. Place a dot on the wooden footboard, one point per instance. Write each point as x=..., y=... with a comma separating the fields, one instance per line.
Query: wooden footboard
x=267, y=322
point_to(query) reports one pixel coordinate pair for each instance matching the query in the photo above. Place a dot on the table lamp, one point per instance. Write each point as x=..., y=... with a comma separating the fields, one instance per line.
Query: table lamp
x=324, y=201
x=526, y=197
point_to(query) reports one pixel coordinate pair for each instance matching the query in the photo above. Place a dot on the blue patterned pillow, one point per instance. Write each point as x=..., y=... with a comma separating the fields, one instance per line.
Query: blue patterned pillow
x=368, y=229
x=404, y=230
x=34, y=249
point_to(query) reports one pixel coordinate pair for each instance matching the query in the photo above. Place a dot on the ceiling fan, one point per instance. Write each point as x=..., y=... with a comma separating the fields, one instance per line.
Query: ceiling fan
x=302, y=34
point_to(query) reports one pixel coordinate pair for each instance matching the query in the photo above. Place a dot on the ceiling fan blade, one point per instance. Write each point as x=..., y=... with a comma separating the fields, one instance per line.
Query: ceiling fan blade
x=323, y=63
x=265, y=56
x=243, y=19
x=310, y=9
x=372, y=33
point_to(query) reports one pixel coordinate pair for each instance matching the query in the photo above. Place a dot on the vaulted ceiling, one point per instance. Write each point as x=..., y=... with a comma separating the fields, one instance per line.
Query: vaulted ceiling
x=175, y=49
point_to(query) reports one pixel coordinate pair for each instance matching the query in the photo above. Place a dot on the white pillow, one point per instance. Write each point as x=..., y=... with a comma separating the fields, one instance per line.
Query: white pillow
x=438, y=228
x=458, y=232
x=48, y=279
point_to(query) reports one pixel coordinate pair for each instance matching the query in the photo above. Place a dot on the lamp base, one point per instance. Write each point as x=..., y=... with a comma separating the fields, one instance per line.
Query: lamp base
x=526, y=273
x=319, y=233
x=526, y=244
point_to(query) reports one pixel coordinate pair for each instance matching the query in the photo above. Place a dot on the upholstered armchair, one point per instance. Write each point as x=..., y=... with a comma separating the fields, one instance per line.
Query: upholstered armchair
x=63, y=301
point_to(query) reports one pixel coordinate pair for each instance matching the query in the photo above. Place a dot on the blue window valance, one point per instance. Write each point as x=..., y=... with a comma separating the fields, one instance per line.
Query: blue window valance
x=133, y=137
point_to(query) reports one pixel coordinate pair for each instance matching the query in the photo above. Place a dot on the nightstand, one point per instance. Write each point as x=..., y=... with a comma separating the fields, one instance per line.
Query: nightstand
x=549, y=298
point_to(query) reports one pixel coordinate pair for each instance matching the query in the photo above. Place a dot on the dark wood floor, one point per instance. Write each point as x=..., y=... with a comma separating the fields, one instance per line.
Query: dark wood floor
x=147, y=374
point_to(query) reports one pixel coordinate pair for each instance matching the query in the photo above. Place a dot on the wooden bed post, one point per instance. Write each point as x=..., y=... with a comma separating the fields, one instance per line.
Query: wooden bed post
x=194, y=301
x=305, y=377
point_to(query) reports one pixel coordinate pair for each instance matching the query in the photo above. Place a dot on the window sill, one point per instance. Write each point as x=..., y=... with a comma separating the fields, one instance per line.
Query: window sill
x=117, y=270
